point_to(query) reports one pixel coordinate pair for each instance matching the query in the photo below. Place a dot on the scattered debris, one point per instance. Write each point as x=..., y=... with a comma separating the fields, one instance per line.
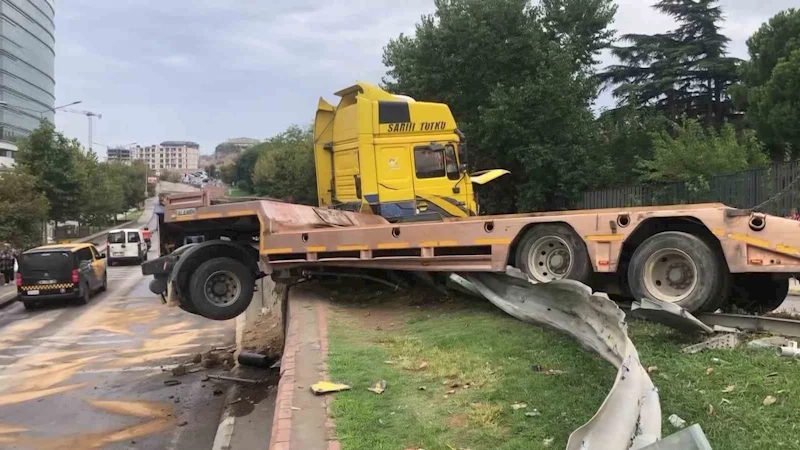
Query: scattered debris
x=725, y=341
x=554, y=372
x=548, y=441
x=711, y=411
x=423, y=365
x=255, y=360
x=652, y=369
x=719, y=361
x=451, y=391
x=669, y=314
x=325, y=387
x=205, y=378
x=195, y=370
x=773, y=374
x=676, y=421
x=177, y=400
x=183, y=424
x=518, y=406
x=208, y=363
x=218, y=392
x=790, y=351
x=726, y=401
x=724, y=329
x=179, y=371
x=235, y=401
x=378, y=387
x=709, y=370
x=729, y=389
x=769, y=342
x=389, y=362
x=236, y=379
x=171, y=382
x=769, y=400
x=295, y=408
x=422, y=388
x=533, y=413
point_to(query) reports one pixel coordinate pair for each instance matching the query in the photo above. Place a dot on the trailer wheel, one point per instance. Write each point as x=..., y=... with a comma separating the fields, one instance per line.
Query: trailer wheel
x=553, y=252
x=759, y=293
x=221, y=288
x=679, y=268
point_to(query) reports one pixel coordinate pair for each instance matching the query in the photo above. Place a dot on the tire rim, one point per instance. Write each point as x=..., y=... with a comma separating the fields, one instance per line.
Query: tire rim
x=550, y=259
x=670, y=275
x=222, y=288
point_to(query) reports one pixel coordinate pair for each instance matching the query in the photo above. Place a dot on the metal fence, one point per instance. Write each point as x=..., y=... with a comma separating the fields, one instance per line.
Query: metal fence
x=746, y=189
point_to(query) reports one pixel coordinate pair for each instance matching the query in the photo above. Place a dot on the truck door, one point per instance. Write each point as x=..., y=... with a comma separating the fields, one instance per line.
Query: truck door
x=438, y=183
x=395, y=181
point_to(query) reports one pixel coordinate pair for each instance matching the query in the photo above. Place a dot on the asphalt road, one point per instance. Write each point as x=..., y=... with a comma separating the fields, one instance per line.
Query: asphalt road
x=93, y=376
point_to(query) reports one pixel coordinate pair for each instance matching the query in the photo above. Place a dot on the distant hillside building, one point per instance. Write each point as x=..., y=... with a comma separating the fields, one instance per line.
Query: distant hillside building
x=235, y=145
x=170, y=155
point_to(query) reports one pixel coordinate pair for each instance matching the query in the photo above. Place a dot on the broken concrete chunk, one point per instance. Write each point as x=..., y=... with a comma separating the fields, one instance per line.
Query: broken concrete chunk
x=725, y=341
x=769, y=342
x=517, y=406
x=769, y=400
x=676, y=421
x=179, y=371
x=325, y=387
x=378, y=387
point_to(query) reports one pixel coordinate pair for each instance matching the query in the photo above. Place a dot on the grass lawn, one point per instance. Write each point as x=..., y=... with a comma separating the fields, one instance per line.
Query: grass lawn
x=455, y=367
x=236, y=192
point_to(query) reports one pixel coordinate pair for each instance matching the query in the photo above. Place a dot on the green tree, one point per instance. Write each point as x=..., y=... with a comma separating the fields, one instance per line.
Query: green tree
x=243, y=175
x=683, y=72
x=770, y=90
x=102, y=192
x=481, y=58
x=693, y=153
x=625, y=136
x=285, y=169
x=23, y=209
x=227, y=173
x=51, y=159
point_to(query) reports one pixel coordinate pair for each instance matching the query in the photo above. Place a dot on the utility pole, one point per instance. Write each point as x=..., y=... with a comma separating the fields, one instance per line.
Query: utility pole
x=89, y=116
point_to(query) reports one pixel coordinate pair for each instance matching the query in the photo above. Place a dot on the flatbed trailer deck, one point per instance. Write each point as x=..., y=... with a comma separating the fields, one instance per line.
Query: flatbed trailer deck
x=699, y=256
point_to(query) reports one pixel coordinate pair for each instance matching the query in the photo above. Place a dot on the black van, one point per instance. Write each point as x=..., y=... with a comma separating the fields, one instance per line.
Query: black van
x=60, y=272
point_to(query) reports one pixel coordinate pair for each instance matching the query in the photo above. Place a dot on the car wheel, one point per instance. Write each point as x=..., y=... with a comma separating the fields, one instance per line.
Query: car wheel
x=553, y=252
x=678, y=268
x=83, y=299
x=221, y=288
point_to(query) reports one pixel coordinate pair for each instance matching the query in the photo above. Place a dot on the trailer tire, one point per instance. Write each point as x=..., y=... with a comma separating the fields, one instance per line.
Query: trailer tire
x=680, y=268
x=553, y=252
x=759, y=293
x=221, y=288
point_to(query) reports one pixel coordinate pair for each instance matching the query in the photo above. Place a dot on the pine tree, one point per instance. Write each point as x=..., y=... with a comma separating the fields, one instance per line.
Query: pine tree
x=683, y=72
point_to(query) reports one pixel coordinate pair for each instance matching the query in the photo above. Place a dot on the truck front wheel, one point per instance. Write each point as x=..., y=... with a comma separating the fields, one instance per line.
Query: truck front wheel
x=221, y=288
x=678, y=268
x=553, y=252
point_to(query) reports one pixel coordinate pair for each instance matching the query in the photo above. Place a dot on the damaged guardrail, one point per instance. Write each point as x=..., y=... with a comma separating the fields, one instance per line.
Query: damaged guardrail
x=630, y=416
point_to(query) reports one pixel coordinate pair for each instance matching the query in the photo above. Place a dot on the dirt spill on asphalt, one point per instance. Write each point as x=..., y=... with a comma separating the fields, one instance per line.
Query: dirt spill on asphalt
x=114, y=320
x=7, y=428
x=135, y=408
x=20, y=397
x=157, y=349
x=167, y=329
x=17, y=331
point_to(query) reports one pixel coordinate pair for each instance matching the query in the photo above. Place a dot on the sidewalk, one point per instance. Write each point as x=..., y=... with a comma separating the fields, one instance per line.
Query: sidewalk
x=302, y=421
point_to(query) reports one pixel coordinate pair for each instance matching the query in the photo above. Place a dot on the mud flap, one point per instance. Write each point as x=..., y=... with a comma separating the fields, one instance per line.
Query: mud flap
x=630, y=416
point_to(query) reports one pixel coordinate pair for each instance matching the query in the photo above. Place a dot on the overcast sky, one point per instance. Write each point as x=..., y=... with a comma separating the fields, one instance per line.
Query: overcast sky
x=209, y=70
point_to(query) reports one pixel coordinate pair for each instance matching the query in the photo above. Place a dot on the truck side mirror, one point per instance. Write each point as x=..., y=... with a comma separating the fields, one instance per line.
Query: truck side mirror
x=462, y=167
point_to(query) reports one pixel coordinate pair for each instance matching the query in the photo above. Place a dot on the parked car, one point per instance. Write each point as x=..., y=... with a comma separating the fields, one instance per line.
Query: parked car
x=126, y=245
x=60, y=272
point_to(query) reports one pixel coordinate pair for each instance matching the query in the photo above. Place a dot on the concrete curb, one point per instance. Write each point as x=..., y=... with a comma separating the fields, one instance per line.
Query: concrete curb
x=282, y=423
x=227, y=420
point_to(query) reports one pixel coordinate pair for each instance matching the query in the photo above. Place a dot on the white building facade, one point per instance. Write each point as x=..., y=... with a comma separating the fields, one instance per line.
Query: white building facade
x=170, y=155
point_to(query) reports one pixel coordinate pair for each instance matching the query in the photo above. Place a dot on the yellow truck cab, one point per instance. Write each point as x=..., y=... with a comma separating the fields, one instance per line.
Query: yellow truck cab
x=392, y=156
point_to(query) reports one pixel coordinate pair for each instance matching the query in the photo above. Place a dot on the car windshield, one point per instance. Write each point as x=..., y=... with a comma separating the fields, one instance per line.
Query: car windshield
x=117, y=237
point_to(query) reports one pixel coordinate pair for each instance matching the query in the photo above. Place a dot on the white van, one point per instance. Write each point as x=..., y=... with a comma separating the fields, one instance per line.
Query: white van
x=126, y=244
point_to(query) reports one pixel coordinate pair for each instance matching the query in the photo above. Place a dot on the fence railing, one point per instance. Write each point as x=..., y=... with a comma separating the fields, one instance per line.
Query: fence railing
x=746, y=189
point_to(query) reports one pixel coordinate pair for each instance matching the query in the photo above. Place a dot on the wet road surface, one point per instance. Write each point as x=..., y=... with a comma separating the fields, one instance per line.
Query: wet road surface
x=85, y=377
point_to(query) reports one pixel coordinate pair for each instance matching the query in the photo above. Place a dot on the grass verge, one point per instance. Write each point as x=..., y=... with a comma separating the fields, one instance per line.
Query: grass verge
x=458, y=371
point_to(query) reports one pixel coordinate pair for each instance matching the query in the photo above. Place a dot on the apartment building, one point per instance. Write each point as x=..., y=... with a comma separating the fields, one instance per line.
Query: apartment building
x=121, y=155
x=170, y=155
